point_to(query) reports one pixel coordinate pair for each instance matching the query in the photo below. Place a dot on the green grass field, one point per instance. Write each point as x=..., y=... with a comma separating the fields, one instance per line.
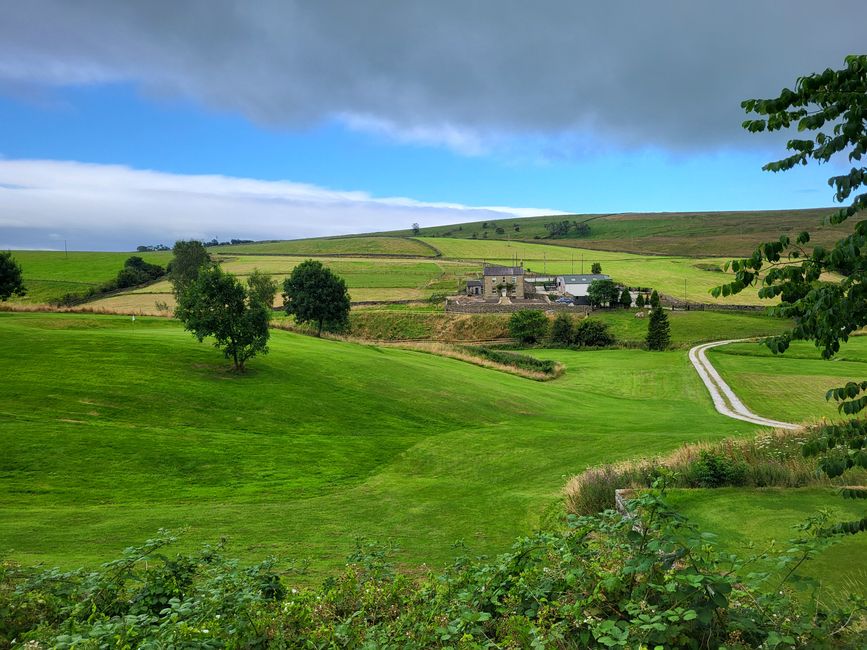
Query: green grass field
x=112, y=430
x=763, y=380
x=694, y=234
x=326, y=247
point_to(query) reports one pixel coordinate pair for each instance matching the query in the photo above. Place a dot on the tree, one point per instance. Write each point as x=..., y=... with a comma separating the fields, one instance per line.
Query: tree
x=528, y=325
x=563, y=329
x=658, y=330
x=829, y=106
x=11, y=283
x=654, y=299
x=596, y=268
x=593, y=333
x=625, y=298
x=416, y=229
x=602, y=292
x=262, y=286
x=217, y=304
x=313, y=293
x=190, y=257
x=639, y=301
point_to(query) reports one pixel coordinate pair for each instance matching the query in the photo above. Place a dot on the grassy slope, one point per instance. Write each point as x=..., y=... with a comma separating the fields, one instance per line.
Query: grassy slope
x=760, y=517
x=334, y=246
x=51, y=274
x=764, y=381
x=110, y=433
x=698, y=234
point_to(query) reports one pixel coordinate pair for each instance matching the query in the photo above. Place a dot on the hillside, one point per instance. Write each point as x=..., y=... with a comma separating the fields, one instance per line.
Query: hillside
x=691, y=234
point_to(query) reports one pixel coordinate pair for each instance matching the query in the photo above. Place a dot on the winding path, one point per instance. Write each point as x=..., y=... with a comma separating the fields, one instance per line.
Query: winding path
x=724, y=398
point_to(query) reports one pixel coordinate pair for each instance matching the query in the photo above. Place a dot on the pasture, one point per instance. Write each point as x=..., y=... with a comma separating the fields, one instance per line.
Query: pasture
x=113, y=429
x=330, y=246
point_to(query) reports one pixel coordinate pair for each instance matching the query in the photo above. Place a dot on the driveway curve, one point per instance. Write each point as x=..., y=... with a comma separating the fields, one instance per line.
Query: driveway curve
x=724, y=398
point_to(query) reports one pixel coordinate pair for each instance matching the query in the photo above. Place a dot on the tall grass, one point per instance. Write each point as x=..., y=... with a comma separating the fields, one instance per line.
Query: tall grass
x=769, y=460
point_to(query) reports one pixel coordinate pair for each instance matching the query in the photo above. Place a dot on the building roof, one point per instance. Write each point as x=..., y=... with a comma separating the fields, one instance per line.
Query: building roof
x=474, y=283
x=504, y=270
x=583, y=279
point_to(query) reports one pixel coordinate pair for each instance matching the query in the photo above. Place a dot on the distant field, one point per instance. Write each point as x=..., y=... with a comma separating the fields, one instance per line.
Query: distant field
x=695, y=234
x=113, y=429
x=764, y=381
x=51, y=274
x=397, y=246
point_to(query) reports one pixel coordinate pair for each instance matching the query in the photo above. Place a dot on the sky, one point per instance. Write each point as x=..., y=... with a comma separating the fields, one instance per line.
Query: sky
x=127, y=123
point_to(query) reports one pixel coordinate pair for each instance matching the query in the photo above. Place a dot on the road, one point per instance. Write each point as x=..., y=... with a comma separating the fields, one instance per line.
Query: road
x=724, y=398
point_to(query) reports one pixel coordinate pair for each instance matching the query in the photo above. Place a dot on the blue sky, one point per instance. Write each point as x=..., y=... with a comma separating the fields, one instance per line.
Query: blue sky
x=133, y=125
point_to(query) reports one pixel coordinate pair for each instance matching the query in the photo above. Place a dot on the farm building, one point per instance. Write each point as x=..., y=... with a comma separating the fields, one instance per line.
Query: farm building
x=577, y=285
x=474, y=287
x=503, y=281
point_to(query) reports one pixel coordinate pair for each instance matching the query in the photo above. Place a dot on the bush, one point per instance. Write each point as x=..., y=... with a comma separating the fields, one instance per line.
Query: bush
x=528, y=325
x=523, y=361
x=715, y=470
x=593, y=333
x=563, y=329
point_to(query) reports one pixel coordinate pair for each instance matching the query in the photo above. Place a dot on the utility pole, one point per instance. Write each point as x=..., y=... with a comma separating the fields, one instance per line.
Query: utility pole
x=573, y=263
x=65, y=250
x=545, y=263
x=582, y=263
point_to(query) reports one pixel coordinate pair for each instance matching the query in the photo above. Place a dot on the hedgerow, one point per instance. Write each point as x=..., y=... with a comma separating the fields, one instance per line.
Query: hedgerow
x=646, y=581
x=524, y=361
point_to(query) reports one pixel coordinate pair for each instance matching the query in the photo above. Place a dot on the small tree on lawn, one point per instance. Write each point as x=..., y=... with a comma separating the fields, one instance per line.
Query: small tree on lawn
x=596, y=268
x=314, y=294
x=658, y=330
x=603, y=292
x=639, y=301
x=528, y=325
x=11, y=283
x=563, y=329
x=654, y=299
x=217, y=304
x=625, y=298
x=593, y=333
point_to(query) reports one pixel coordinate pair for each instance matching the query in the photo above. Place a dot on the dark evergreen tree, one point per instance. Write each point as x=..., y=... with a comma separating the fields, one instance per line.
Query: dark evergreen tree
x=658, y=330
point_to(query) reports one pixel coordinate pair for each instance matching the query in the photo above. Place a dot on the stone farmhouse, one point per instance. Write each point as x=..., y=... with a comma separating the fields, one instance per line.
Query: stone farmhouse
x=498, y=281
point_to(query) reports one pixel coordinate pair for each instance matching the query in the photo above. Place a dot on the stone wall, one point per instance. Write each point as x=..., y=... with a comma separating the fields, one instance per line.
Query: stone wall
x=478, y=307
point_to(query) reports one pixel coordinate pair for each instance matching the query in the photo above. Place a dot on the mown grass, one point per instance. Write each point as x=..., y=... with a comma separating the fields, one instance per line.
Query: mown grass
x=324, y=247
x=757, y=518
x=112, y=430
x=763, y=381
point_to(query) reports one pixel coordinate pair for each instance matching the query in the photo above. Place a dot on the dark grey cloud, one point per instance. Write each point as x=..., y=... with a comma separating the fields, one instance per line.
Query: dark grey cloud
x=471, y=75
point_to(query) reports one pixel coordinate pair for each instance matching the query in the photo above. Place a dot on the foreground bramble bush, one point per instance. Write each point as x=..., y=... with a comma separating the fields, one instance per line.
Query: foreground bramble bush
x=604, y=581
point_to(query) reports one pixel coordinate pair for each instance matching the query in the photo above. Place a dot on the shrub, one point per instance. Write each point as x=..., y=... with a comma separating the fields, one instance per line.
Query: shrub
x=658, y=330
x=563, y=329
x=523, y=361
x=716, y=470
x=528, y=325
x=593, y=333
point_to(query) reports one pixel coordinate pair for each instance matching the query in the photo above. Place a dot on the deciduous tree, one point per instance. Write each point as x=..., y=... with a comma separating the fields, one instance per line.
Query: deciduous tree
x=190, y=257
x=262, y=286
x=217, y=304
x=313, y=293
x=528, y=325
x=11, y=283
x=602, y=292
x=563, y=329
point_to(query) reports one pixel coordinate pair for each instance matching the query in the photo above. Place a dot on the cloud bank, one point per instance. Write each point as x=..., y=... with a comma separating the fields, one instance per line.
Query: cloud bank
x=111, y=207
x=470, y=76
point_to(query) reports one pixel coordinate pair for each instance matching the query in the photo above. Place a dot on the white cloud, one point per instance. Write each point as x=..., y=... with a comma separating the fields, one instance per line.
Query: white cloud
x=116, y=207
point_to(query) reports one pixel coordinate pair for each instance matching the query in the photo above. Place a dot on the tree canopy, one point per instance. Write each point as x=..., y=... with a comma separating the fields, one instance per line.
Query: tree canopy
x=658, y=330
x=11, y=283
x=190, y=257
x=315, y=294
x=528, y=325
x=216, y=304
x=603, y=292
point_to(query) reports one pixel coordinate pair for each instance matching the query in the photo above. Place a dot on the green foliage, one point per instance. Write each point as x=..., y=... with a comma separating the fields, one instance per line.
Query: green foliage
x=189, y=258
x=596, y=268
x=563, y=329
x=136, y=271
x=11, y=283
x=415, y=229
x=528, y=325
x=648, y=580
x=716, y=470
x=593, y=333
x=625, y=298
x=603, y=292
x=639, y=301
x=216, y=304
x=262, y=287
x=654, y=299
x=523, y=361
x=658, y=330
x=313, y=293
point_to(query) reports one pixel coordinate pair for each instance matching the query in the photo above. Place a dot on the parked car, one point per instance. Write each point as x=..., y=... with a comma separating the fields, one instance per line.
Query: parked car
x=563, y=300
